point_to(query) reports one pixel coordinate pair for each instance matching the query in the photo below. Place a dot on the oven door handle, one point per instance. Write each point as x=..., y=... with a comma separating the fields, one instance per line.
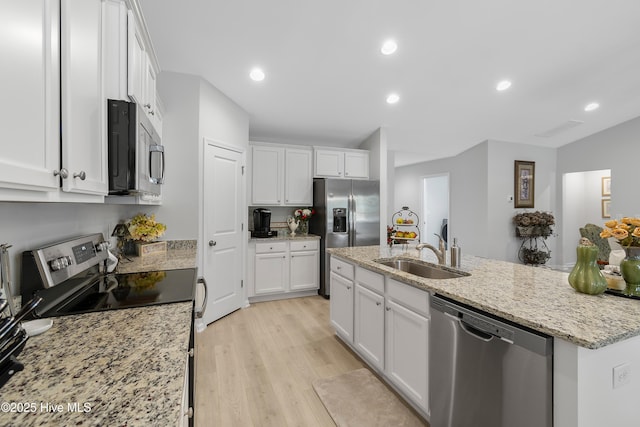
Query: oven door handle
x=200, y=313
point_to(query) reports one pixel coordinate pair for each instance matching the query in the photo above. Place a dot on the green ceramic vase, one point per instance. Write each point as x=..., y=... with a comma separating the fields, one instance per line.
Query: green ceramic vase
x=586, y=276
x=630, y=267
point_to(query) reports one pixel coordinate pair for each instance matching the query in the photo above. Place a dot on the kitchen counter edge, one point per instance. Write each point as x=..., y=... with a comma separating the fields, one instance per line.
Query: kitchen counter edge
x=536, y=297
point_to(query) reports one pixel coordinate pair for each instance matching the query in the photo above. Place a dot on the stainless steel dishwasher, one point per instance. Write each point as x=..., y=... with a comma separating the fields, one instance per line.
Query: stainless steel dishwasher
x=487, y=372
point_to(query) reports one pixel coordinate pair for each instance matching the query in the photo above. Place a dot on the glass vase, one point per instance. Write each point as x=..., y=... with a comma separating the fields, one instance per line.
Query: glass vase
x=630, y=268
x=303, y=228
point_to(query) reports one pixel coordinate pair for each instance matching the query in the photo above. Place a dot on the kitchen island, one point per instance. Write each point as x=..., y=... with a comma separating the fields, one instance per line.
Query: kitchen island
x=108, y=368
x=592, y=334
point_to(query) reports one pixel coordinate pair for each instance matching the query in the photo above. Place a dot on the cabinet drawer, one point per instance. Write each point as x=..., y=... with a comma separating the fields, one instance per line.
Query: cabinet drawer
x=342, y=268
x=305, y=245
x=370, y=279
x=265, y=248
x=408, y=296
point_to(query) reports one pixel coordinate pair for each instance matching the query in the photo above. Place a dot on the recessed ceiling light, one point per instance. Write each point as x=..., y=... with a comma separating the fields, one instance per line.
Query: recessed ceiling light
x=592, y=106
x=257, y=75
x=503, y=85
x=389, y=47
x=393, y=98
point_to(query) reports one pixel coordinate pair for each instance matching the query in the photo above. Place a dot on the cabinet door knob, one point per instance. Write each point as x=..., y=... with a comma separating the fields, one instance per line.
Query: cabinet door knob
x=388, y=308
x=62, y=172
x=378, y=303
x=212, y=243
x=82, y=175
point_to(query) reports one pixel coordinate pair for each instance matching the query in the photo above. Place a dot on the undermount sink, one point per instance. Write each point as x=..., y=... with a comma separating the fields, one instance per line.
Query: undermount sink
x=422, y=269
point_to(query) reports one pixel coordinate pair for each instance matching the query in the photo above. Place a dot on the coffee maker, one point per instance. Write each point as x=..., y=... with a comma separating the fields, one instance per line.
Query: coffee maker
x=262, y=223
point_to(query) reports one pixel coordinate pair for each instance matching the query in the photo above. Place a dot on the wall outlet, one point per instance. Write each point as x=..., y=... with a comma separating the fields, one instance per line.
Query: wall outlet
x=621, y=375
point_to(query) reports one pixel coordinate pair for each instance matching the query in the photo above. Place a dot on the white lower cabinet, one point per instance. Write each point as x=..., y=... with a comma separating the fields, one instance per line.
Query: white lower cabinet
x=341, y=306
x=369, y=325
x=386, y=322
x=270, y=273
x=407, y=345
x=281, y=268
x=303, y=268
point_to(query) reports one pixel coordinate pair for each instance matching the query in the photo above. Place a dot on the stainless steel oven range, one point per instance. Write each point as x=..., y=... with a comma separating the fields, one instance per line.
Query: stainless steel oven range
x=68, y=278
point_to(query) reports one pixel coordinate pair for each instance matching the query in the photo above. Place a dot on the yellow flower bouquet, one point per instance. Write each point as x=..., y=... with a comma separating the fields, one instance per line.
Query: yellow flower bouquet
x=626, y=231
x=144, y=228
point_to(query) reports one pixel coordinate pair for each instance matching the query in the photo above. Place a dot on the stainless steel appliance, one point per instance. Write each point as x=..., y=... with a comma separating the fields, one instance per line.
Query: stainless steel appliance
x=262, y=223
x=69, y=278
x=136, y=157
x=486, y=371
x=347, y=214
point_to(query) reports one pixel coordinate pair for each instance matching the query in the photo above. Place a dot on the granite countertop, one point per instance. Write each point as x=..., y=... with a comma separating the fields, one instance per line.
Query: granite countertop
x=536, y=297
x=285, y=236
x=119, y=367
x=180, y=254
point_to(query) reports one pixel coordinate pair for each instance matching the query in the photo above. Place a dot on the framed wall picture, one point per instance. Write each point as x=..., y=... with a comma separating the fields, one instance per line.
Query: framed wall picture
x=524, y=179
x=606, y=204
x=606, y=186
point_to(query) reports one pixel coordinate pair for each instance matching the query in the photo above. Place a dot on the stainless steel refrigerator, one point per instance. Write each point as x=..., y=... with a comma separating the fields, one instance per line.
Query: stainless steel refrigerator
x=347, y=214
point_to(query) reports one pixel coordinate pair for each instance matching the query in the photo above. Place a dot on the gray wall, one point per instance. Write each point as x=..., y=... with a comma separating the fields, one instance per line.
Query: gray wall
x=617, y=149
x=194, y=110
x=481, y=180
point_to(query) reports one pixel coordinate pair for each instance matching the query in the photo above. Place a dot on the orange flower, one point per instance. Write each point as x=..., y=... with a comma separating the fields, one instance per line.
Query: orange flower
x=635, y=222
x=611, y=223
x=636, y=232
x=624, y=226
x=619, y=233
x=606, y=233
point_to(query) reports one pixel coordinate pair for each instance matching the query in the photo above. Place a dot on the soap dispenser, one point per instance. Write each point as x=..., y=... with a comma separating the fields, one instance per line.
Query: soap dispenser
x=455, y=254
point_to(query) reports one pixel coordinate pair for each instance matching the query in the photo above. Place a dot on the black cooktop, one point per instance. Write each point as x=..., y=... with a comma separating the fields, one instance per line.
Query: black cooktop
x=118, y=291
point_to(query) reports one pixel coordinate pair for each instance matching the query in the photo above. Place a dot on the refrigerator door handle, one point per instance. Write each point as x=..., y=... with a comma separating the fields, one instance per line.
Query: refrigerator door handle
x=352, y=220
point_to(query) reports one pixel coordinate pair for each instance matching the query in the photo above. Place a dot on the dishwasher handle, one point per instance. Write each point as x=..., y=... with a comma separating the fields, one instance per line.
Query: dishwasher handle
x=475, y=332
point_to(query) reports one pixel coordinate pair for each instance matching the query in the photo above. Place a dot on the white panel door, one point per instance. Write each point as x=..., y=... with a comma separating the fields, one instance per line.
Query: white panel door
x=222, y=239
x=30, y=111
x=84, y=148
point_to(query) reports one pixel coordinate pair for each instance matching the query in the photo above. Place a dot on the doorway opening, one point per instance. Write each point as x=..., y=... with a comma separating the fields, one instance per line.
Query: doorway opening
x=585, y=200
x=435, y=209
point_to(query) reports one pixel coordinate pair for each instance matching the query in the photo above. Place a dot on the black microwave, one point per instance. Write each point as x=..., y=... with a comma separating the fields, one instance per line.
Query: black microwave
x=136, y=156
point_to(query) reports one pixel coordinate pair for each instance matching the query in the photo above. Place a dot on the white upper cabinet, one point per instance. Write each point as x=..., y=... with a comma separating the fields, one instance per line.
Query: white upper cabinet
x=30, y=113
x=267, y=174
x=136, y=61
x=281, y=176
x=115, y=46
x=84, y=152
x=298, y=179
x=142, y=72
x=336, y=163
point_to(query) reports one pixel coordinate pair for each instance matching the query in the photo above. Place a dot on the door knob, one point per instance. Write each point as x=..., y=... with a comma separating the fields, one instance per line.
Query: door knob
x=212, y=243
x=82, y=175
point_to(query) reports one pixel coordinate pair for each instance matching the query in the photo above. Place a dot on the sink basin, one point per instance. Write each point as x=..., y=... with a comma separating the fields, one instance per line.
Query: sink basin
x=422, y=269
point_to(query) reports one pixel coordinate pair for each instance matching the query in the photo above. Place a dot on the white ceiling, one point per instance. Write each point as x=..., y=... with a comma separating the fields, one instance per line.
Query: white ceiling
x=326, y=80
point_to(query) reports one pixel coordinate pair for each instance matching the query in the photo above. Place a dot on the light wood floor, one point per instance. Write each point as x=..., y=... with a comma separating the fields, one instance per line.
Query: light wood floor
x=255, y=366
